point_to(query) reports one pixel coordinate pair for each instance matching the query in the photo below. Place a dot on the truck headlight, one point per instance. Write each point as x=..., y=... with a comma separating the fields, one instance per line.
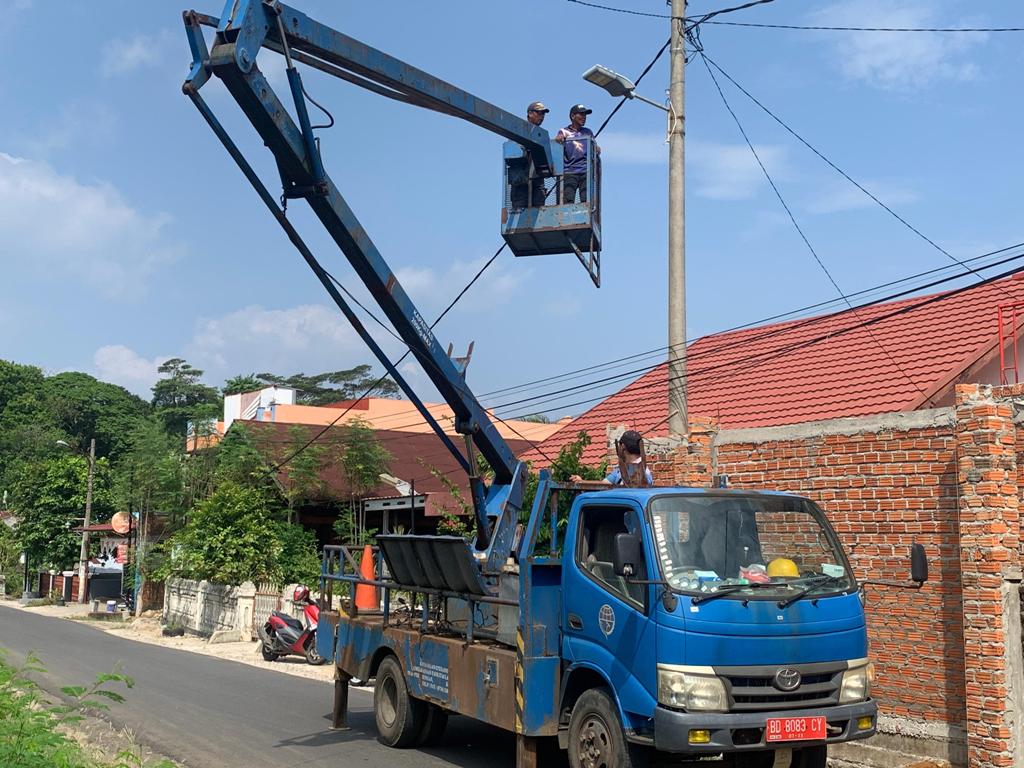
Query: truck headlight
x=691, y=688
x=857, y=682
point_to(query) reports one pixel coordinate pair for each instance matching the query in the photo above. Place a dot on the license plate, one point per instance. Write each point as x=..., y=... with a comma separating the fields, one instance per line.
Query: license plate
x=794, y=729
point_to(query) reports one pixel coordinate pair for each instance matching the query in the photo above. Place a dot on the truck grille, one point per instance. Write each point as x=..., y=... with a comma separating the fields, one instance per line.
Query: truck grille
x=754, y=689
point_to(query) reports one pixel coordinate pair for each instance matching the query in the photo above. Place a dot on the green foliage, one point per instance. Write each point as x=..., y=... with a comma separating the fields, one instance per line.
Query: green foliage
x=48, y=495
x=364, y=460
x=237, y=460
x=298, y=560
x=304, y=468
x=242, y=383
x=83, y=407
x=333, y=386
x=30, y=725
x=453, y=522
x=229, y=538
x=567, y=464
x=536, y=418
x=180, y=397
x=9, y=565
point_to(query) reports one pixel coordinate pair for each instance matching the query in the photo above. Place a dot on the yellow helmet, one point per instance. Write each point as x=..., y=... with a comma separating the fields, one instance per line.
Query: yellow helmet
x=783, y=566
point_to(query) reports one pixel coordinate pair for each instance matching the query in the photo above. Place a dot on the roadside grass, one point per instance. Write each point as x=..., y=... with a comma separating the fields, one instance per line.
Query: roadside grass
x=35, y=732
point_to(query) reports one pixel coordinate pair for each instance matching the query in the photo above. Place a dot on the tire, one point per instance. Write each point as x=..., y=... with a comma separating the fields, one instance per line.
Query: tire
x=313, y=656
x=596, y=738
x=268, y=655
x=435, y=720
x=399, y=716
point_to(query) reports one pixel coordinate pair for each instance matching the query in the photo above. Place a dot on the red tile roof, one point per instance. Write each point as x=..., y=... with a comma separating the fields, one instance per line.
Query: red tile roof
x=888, y=357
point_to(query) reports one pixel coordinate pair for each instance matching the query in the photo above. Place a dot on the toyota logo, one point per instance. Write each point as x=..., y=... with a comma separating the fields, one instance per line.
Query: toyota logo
x=787, y=679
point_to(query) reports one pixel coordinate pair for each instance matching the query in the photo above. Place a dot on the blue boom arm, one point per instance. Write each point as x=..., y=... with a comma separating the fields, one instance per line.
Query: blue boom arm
x=246, y=27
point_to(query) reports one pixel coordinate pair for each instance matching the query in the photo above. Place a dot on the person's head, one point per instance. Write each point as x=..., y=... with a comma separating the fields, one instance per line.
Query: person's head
x=536, y=111
x=578, y=115
x=630, y=441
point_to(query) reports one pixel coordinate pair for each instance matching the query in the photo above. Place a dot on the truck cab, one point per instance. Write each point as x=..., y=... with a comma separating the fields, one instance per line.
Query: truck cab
x=714, y=622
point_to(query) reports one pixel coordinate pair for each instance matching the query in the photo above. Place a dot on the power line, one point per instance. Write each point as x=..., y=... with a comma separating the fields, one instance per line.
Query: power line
x=832, y=165
x=781, y=351
x=624, y=99
x=698, y=19
x=623, y=10
x=862, y=29
x=796, y=225
x=545, y=398
x=568, y=375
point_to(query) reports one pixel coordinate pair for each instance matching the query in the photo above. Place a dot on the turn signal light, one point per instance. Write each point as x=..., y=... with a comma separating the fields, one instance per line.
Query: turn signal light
x=700, y=737
x=863, y=723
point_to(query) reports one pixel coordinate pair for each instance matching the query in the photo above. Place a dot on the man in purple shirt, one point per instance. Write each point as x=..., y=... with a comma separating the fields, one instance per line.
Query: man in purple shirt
x=574, y=175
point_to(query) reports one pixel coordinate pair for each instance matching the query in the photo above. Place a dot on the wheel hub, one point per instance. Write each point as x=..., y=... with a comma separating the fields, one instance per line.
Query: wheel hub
x=594, y=743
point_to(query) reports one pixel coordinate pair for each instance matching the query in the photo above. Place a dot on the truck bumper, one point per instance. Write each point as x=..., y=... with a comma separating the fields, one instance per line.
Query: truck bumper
x=743, y=731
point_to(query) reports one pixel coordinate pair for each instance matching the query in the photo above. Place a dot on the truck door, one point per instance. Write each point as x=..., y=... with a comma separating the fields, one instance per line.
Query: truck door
x=605, y=617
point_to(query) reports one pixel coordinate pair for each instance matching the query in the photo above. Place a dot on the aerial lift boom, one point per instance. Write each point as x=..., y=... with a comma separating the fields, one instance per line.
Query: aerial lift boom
x=244, y=29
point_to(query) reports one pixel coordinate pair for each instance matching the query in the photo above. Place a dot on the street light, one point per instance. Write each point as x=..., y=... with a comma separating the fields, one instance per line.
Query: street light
x=83, y=557
x=617, y=85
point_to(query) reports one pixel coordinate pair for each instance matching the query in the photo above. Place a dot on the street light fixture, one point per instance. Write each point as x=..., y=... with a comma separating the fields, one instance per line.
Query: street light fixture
x=83, y=557
x=617, y=85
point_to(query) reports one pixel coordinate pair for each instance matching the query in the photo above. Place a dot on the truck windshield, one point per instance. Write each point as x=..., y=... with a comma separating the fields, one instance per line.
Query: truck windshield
x=749, y=547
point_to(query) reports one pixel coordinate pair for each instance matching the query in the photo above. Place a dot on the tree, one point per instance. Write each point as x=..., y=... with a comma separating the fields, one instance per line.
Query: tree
x=48, y=497
x=364, y=460
x=230, y=537
x=536, y=418
x=333, y=386
x=27, y=430
x=84, y=407
x=180, y=397
x=242, y=383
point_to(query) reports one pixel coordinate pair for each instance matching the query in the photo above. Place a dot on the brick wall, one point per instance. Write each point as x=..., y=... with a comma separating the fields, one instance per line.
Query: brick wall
x=949, y=657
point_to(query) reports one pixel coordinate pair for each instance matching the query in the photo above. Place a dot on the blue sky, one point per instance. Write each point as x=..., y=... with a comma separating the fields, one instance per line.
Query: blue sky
x=127, y=236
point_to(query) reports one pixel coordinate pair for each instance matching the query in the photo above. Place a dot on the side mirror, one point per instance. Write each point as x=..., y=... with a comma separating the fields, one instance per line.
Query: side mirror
x=626, y=554
x=918, y=564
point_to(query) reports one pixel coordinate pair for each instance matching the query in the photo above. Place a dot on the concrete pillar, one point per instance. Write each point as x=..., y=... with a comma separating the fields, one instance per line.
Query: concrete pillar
x=990, y=568
x=246, y=608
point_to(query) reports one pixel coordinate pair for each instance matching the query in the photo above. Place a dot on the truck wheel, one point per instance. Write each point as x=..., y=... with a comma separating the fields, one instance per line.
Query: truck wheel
x=399, y=716
x=810, y=757
x=434, y=722
x=596, y=738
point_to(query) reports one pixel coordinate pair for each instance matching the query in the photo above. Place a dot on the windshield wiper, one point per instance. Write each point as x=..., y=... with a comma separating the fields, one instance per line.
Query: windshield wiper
x=818, y=583
x=729, y=589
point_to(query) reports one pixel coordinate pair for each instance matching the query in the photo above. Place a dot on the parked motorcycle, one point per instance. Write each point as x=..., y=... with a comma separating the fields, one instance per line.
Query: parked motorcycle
x=284, y=635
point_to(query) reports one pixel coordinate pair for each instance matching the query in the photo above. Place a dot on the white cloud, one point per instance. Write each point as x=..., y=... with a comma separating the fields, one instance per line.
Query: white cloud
x=56, y=224
x=846, y=197
x=893, y=59
x=253, y=336
x=118, y=364
x=729, y=171
x=121, y=56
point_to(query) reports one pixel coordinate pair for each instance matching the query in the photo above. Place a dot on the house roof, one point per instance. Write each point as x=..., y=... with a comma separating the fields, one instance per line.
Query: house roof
x=413, y=456
x=894, y=356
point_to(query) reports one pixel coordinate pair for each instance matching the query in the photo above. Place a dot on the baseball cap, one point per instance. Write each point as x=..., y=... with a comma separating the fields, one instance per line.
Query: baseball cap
x=579, y=108
x=537, y=106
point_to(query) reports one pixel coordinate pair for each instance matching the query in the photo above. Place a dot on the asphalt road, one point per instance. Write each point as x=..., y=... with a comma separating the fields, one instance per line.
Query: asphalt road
x=212, y=713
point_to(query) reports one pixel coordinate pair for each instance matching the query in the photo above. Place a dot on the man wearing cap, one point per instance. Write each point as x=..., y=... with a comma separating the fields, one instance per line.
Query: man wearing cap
x=574, y=175
x=535, y=114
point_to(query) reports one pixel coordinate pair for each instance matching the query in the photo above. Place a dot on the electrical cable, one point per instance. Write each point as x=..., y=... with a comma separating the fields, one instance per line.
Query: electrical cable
x=863, y=29
x=796, y=224
x=836, y=168
x=624, y=99
x=546, y=398
x=831, y=334
x=569, y=375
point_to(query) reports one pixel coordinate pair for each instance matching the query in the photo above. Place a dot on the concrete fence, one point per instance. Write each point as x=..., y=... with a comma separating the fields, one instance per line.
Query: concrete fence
x=223, y=613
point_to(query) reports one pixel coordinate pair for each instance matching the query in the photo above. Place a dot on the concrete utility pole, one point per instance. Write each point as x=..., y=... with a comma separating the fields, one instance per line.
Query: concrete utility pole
x=677, y=423
x=83, y=568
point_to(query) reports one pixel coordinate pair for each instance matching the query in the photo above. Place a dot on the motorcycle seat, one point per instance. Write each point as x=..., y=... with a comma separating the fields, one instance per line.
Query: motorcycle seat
x=288, y=619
